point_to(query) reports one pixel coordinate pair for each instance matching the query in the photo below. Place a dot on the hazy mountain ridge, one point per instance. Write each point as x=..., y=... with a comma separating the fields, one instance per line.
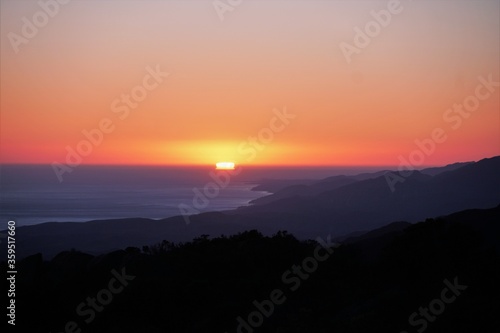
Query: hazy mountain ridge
x=307, y=187
x=419, y=196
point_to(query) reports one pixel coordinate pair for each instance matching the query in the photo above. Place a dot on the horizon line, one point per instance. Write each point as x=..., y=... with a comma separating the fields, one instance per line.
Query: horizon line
x=303, y=166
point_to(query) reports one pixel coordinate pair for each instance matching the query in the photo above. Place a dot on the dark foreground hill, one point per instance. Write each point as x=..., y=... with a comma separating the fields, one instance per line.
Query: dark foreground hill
x=440, y=275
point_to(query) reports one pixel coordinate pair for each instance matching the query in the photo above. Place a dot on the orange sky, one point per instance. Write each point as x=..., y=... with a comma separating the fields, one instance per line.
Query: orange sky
x=226, y=78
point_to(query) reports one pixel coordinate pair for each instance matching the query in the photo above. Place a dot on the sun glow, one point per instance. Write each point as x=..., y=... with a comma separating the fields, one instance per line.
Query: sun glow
x=224, y=166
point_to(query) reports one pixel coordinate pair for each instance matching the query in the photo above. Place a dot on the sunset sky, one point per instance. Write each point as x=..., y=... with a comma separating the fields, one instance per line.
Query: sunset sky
x=228, y=80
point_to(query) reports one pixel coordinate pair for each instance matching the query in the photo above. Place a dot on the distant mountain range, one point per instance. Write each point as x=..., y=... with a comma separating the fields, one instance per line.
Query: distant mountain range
x=337, y=205
x=344, y=204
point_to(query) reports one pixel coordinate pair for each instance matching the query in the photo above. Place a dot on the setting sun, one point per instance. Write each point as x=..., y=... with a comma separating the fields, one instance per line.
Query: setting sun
x=224, y=166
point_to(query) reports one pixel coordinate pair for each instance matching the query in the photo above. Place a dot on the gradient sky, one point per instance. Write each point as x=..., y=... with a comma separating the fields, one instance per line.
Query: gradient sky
x=226, y=77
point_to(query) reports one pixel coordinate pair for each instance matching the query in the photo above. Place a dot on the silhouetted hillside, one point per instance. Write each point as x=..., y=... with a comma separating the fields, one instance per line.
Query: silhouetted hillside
x=289, y=188
x=306, y=190
x=449, y=167
x=371, y=284
x=370, y=203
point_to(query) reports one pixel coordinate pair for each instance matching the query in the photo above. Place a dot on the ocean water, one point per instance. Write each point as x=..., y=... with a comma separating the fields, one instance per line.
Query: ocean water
x=32, y=194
